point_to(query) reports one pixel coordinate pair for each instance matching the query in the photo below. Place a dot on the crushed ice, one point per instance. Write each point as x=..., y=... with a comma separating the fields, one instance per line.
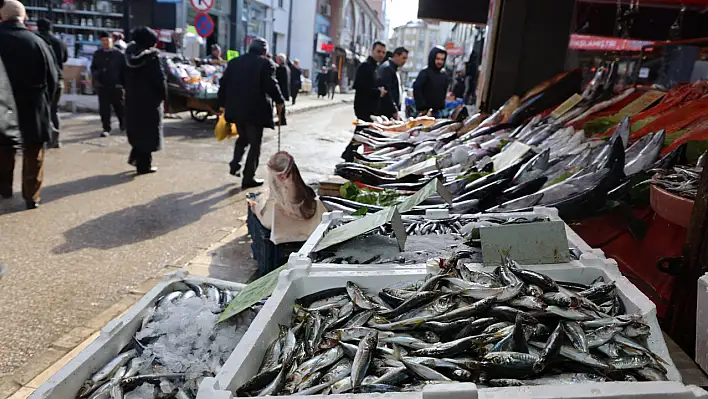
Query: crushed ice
x=183, y=337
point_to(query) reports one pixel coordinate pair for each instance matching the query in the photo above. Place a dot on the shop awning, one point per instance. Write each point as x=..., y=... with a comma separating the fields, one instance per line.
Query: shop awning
x=469, y=11
x=602, y=43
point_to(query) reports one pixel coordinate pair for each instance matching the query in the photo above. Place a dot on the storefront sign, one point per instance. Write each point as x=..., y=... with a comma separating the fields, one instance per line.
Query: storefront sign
x=204, y=24
x=202, y=5
x=588, y=42
x=324, y=44
x=452, y=49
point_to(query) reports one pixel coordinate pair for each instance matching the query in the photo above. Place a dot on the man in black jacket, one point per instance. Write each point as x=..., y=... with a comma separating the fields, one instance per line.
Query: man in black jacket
x=368, y=86
x=430, y=87
x=282, y=74
x=107, y=69
x=295, y=78
x=246, y=92
x=32, y=73
x=44, y=27
x=332, y=81
x=391, y=102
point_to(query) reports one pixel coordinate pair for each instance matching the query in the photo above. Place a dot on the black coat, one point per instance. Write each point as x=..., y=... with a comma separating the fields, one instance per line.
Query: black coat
x=430, y=87
x=108, y=68
x=367, y=98
x=282, y=73
x=322, y=83
x=247, y=90
x=33, y=75
x=9, y=131
x=333, y=76
x=58, y=49
x=458, y=88
x=145, y=92
x=391, y=101
x=295, y=79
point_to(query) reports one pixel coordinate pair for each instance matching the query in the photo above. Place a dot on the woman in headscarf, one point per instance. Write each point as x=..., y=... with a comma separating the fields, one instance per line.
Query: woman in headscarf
x=322, y=83
x=145, y=93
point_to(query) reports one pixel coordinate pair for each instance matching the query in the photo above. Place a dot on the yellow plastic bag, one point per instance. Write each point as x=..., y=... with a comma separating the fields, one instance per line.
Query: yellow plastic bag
x=224, y=129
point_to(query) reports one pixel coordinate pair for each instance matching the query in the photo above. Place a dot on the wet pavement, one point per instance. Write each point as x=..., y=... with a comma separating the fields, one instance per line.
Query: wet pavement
x=101, y=230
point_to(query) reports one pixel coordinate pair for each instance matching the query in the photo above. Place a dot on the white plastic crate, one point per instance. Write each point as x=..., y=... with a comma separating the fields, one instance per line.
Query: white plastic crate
x=702, y=323
x=115, y=336
x=297, y=282
x=574, y=239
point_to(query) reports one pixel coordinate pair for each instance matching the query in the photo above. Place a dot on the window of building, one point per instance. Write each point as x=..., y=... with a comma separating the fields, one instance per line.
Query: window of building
x=281, y=3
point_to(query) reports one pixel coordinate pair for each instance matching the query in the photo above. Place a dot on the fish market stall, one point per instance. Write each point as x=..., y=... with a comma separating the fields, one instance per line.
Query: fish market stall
x=404, y=332
x=168, y=339
x=192, y=86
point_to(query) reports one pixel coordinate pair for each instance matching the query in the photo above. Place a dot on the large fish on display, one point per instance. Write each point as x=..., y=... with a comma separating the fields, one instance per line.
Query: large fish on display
x=546, y=95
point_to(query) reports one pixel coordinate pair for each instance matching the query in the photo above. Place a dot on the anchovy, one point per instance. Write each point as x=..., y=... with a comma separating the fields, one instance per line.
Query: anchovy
x=363, y=358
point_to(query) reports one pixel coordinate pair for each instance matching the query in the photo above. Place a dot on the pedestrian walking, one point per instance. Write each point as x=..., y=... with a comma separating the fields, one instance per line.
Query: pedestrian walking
x=44, y=28
x=247, y=91
x=30, y=67
x=145, y=94
x=430, y=87
x=391, y=81
x=322, y=77
x=282, y=74
x=458, y=87
x=369, y=90
x=107, y=69
x=332, y=81
x=295, y=78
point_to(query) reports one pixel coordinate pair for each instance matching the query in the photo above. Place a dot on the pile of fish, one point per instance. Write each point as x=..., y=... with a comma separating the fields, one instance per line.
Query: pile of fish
x=178, y=344
x=680, y=180
x=510, y=161
x=510, y=327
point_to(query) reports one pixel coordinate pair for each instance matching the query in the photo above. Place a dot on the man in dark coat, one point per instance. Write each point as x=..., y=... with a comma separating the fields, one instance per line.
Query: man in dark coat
x=458, y=87
x=321, y=82
x=145, y=93
x=332, y=81
x=430, y=87
x=107, y=69
x=367, y=84
x=282, y=74
x=295, y=78
x=391, y=102
x=246, y=92
x=44, y=27
x=10, y=139
x=33, y=76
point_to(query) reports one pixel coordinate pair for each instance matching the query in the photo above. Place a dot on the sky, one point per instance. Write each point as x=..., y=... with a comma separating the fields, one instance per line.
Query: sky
x=401, y=11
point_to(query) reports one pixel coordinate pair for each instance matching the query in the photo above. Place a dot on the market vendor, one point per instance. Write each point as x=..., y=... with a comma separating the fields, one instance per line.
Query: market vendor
x=215, y=56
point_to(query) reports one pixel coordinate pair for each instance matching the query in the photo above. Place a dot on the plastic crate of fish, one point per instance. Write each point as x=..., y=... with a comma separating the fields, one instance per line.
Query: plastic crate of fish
x=421, y=247
x=133, y=350
x=305, y=287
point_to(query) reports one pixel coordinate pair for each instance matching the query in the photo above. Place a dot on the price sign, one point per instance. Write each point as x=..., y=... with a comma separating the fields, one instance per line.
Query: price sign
x=204, y=24
x=202, y=5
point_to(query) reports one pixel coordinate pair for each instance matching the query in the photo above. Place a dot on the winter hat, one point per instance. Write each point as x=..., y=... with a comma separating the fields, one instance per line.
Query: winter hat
x=13, y=9
x=144, y=37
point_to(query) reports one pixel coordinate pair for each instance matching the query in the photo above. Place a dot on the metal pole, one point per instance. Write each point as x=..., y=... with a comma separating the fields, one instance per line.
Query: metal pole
x=290, y=24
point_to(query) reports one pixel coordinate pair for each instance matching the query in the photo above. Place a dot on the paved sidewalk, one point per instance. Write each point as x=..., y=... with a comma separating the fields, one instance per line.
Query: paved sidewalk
x=305, y=102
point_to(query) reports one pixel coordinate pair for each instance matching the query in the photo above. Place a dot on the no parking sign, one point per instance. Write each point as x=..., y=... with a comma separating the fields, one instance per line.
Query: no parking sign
x=204, y=24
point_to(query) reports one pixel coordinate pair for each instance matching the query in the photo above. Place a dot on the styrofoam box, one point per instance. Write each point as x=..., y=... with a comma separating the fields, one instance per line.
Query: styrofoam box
x=702, y=323
x=115, y=336
x=295, y=283
x=574, y=239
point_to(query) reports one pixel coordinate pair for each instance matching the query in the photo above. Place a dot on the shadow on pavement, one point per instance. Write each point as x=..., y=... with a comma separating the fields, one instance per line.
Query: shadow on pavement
x=142, y=222
x=85, y=185
x=233, y=261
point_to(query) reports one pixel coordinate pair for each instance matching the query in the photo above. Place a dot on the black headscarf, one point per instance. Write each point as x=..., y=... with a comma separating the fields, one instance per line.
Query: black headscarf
x=144, y=37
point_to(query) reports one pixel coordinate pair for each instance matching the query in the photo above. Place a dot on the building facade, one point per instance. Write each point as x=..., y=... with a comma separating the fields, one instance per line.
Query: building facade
x=418, y=37
x=355, y=26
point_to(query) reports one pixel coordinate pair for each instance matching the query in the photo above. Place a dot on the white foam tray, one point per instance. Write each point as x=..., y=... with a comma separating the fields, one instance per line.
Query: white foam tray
x=114, y=337
x=574, y=239
x=702, y=323
x=297, y=282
